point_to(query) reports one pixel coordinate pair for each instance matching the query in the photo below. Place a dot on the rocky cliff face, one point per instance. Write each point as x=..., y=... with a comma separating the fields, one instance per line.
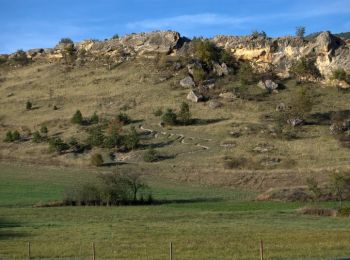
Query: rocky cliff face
x=327, y=51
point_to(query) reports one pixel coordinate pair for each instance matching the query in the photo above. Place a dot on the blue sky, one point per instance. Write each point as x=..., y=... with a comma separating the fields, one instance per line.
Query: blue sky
x=26, y=24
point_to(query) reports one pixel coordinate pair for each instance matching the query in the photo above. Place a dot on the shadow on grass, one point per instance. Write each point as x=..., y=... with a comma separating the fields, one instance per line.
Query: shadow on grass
x=197, y=121
x=326, y=117
x=186, y=201
x=6, y=232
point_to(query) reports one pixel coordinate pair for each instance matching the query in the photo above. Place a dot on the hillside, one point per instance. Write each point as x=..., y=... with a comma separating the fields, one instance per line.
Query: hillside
x=233, y=136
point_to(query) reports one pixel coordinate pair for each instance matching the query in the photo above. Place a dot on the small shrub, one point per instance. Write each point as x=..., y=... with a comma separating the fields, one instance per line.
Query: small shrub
x=16, y=136
x=344, y=212
x=8, y=137
x=44, y=130
x=77, y=118
x=55, y=107
x=123, y=118
x=21, y=57
x=29, y=105
x=96, y=137
x=57, y=145
x=151, y=155
x=112, y=141
x=94, y=119
x=169, y=117
x=37, y=138
x=185, y=114
x=235, y=163
x=304, y=69
x=115, y=36
x=300, y=31
x=96, y=160
x=132, y=140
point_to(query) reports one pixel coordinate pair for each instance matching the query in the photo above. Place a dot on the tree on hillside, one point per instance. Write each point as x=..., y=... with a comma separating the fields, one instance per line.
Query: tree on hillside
x=340, y=185
x=300, y=31
x=77, y=118
x=169, y=117
x=185, y=114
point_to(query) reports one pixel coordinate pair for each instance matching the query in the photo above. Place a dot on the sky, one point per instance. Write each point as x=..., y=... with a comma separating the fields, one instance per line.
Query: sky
x=26, y=24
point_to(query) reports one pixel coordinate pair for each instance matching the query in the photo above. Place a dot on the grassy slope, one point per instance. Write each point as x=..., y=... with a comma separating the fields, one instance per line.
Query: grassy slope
x=136, y=86
x=224, y=224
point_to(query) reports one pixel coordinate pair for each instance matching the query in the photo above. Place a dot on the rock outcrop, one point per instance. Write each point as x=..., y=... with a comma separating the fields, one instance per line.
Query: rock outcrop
x=326, y=50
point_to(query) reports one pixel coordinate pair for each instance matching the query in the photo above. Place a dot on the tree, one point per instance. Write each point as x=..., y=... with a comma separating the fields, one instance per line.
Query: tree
x=135, y=184
x=132, y=140
x=96, y=160
x=29, y=105
x=21, y=57
x=300, y=31
x=169, y=117
x=115, y=36
x=123, y=118
x=314, y=188
x=340, y=185
x=94, y=119
x=77, y=118
x=57, y=145
x=304, y=68
x=96, y=136
x=185, y=114
x=66, y=41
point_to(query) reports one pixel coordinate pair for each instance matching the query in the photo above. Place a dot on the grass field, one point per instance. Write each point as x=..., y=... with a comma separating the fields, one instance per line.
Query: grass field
x=202, y=222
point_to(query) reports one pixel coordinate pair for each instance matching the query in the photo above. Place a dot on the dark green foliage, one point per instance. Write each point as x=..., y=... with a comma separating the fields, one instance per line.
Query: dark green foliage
x=169, y=117
x=55, y=107
x=16, y=136
x=185, y=115
x=304, y=69
x=94, y=119
x=21, y=57
x=199, y=75
x=115, y=36
x=44, y=130
x=8, y=137
x=158, y=112
x=57, y=145
x=344, y=212
x=37, y=138
x=29, y=105
x=340, y=185
x=96, y=136
x=151, y=155
x=246, y=74
x=207, y=53
x=76, y=146
x=113, y=141
x=123, y=118
x=300, y=31
x=131, y=140
x=77, y=118
x=257, y=34
x=96, y=160
x=110, y=189
x=66, y=41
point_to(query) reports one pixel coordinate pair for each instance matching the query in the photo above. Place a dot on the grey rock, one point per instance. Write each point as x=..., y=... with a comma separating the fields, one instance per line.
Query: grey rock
x=213, y=104
x=187, y=82
x=194, y=96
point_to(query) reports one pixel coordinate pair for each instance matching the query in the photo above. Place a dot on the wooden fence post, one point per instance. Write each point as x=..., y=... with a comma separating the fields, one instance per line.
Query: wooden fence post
x=171, y=251
x=261, y=250
x=29, y=253
x=93, y=251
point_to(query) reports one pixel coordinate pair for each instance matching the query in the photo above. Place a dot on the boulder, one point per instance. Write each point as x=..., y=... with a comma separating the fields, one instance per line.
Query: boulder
x=187, y=82
x=220, y=70
x=268, y=85
x=295, y=121
x=281, y=107
x=194, y=96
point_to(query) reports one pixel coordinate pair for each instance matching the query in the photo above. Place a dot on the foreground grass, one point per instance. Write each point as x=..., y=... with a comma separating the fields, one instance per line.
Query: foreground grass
x=202, y=223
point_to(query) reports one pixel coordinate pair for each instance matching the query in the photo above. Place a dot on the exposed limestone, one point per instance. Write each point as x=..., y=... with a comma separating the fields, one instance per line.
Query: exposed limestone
x=194, y=96
x=187, y=82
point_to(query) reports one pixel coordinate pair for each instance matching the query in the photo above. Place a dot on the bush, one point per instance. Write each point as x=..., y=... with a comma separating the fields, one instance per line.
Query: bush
x=112, y=141
x=169, y=117
x=94, y=119
x=132, y=140
x=66, y=41
x=246, y=74
x=344, y=212
x=21, y=57
x=300, y=31
x=8, y=137
x=304, y=68
x=57, y=145
x=235, y=163
x=151, y=155
x=29, y=105
x=37, y=138
x=77, y=118
x=185, y=114
x=96, y=160
x=123, y=118
x=16, y=136
x=115, y=36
